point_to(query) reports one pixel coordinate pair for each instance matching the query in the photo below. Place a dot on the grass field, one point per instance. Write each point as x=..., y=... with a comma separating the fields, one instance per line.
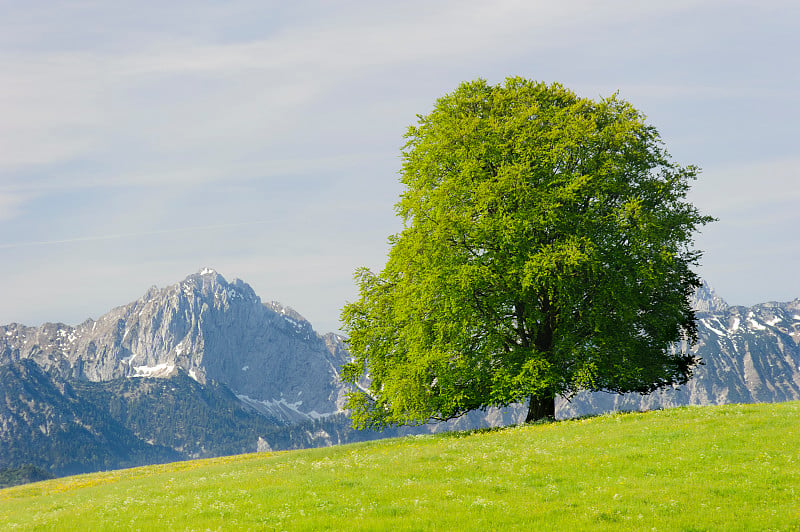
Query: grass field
x=735, y=467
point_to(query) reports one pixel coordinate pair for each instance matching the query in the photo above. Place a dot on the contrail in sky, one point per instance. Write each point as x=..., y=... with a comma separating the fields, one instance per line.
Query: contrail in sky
x=129, y=235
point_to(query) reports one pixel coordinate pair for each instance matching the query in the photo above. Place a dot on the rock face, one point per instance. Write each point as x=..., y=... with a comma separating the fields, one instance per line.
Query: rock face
x=749, y=355
x=275, y=363
x=207, y=328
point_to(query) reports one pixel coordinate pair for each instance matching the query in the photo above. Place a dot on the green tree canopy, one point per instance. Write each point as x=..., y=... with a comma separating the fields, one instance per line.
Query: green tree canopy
x=547, y=248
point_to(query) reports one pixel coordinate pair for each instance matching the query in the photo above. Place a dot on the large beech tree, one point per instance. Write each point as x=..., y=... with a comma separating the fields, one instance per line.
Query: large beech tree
x=547, y=248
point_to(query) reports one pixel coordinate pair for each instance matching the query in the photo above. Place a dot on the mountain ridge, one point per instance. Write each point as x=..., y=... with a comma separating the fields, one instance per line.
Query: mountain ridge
x=203, y=367
x=59, y=430
x=206, y=327
x=748, y=355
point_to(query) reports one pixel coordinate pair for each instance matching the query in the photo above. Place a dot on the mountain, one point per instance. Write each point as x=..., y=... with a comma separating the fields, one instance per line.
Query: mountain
x=48, y=425
x=205, y=368
x=749, y=355
x=206, y=420
x=198, y=369
x=53, y=427
x=208, y=328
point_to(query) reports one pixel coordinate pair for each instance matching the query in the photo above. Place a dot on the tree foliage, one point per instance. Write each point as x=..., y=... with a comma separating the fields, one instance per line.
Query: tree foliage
x=547, y=248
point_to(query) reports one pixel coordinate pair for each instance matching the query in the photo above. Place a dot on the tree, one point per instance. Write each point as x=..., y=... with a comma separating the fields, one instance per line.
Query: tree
x=547, y=248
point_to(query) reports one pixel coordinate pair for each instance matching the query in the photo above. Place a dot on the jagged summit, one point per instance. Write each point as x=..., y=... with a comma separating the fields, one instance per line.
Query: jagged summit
x=250, y=357
x=208, y=282
x=707, y=300
x=207, y=275
x=205, y=327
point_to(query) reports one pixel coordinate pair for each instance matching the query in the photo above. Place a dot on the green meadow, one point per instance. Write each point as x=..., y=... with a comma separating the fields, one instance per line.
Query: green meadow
x=734, y=467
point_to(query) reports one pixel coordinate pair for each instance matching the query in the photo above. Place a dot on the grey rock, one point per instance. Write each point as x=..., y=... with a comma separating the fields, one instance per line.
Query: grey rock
x=749, y=355
x=276, y=364
x=707, y=300
x=267, y=354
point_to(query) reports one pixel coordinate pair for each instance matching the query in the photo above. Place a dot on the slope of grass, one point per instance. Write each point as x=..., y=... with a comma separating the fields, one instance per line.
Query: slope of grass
x=735, y=467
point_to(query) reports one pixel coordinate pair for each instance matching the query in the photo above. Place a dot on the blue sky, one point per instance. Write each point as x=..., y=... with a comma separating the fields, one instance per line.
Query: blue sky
x=141, y=142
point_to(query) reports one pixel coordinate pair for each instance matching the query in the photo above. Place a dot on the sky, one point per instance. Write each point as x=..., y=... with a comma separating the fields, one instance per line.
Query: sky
x=143, y=141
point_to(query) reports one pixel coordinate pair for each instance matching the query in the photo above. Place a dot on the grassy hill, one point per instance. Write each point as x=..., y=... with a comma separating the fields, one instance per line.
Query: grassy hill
x=734, y=467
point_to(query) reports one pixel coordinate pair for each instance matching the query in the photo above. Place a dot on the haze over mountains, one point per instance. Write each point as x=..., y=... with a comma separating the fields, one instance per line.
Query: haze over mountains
x=204, y=368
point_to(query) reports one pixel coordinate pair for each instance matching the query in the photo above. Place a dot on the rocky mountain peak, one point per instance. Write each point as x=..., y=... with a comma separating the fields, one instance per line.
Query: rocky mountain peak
x=207, y=282
x=706, y=300
x=205, y=276
x=205, y=327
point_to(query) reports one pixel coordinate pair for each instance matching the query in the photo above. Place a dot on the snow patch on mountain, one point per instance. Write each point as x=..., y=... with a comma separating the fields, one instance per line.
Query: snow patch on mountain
x=162, y=370
x=707, y=324
x=277, y=408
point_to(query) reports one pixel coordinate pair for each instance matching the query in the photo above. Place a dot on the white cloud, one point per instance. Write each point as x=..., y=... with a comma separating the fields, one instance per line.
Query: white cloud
x=175, y=93
x=49, y=109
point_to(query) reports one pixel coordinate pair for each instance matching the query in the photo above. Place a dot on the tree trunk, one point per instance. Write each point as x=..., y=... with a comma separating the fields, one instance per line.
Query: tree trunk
x=541, y=407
